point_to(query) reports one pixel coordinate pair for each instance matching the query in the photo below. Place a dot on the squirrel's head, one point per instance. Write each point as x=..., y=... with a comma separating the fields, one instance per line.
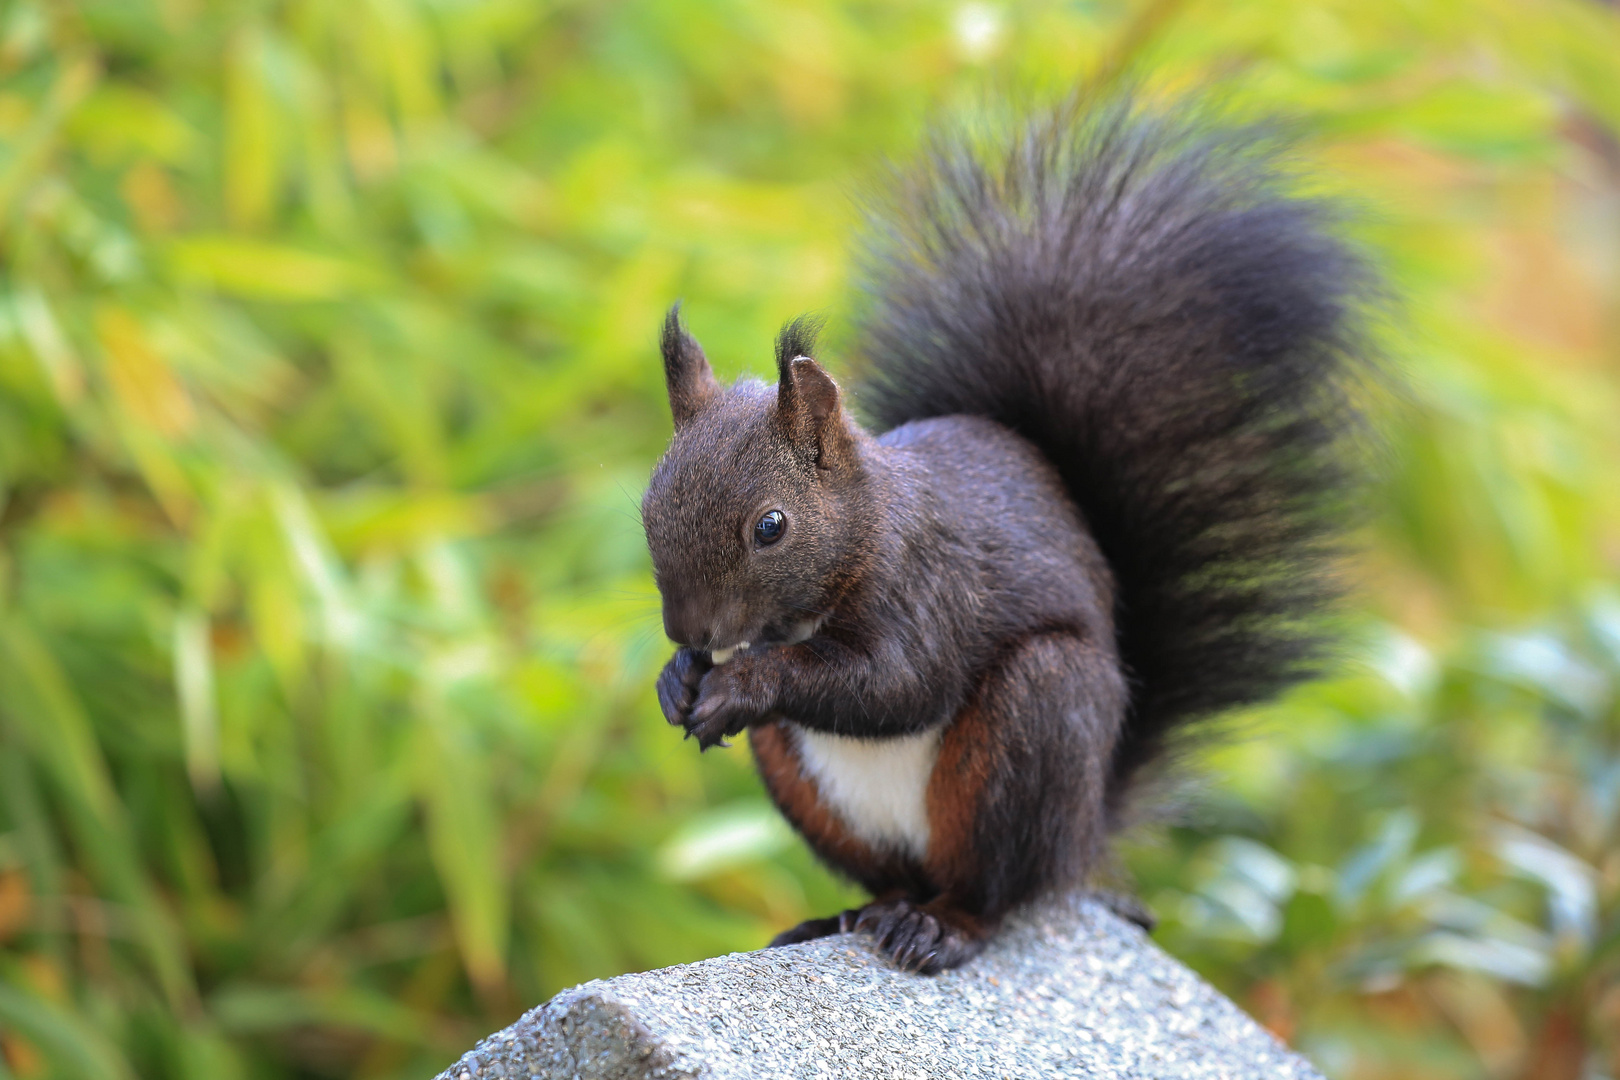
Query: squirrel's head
x=755, y=511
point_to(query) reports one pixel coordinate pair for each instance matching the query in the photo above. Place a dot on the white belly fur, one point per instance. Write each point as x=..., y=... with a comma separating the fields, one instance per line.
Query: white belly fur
x=879, y=787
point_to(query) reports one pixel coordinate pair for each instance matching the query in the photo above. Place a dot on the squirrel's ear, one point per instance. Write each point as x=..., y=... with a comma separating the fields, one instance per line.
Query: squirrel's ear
x=686, y=371
x=808, y=405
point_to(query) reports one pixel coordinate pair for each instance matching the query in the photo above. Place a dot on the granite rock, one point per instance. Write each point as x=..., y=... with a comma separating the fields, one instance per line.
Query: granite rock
x=1068, y=989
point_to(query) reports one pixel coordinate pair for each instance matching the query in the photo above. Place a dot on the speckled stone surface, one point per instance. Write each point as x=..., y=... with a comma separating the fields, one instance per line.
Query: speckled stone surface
x=1067, y=989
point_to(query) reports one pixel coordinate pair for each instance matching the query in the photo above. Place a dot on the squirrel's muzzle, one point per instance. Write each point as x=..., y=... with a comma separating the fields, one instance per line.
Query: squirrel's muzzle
x=700, y=623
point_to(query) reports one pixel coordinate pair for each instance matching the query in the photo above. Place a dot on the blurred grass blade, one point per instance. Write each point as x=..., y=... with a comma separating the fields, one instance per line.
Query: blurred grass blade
x=194, y=683
x=75, y=75
x=67, y=1037
x=54, y=726
x=270, y=1010
x=724, y=838
x=464, y=836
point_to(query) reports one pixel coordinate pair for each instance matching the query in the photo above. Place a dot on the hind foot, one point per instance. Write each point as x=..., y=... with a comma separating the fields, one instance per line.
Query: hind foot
x=811, y=929
x=1127, y=907
x=925, y=938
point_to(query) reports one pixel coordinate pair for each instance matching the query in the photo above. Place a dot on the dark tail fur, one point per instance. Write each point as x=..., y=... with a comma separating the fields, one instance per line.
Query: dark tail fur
x=1142, y=298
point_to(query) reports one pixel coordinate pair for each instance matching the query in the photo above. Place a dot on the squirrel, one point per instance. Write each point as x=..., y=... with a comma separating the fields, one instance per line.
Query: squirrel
x=1109, y=363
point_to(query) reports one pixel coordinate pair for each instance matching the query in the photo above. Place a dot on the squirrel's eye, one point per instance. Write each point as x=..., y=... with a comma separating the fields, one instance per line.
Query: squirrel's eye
x=768, y=529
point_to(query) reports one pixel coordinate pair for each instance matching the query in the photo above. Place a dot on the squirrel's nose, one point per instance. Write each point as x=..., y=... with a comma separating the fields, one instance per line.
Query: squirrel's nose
x=688, y=623
x=678, y=624
x=698, y=624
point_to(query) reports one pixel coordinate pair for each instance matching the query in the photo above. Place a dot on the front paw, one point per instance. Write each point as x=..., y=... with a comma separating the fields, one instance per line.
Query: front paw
x=678, y=685
x=726, y=704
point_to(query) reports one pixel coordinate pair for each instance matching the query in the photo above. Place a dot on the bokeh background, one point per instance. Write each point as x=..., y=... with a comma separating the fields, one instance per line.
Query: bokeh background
x=327, y=636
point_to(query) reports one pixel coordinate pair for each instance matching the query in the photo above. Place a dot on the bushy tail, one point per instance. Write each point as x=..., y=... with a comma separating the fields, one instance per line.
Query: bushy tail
x=1143, y=298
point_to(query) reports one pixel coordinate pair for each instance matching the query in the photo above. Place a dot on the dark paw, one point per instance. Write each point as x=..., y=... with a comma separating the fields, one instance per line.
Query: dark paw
x=678, y=685
x=723, y=707
x=809, y=930
x=925, y=938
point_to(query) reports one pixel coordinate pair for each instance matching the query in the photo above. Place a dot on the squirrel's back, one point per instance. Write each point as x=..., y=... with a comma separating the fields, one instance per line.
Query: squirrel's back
x=1144, y=299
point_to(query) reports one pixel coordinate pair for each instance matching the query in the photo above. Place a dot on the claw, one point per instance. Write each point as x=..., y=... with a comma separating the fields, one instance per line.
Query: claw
x=915, y=938
x=889, y=925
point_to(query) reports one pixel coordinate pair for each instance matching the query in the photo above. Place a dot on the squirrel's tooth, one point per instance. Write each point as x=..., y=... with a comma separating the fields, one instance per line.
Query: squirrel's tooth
x=720, y=656
x=742, y=646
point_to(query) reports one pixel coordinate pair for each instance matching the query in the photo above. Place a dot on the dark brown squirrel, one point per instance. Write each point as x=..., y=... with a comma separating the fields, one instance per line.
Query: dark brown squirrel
x=1108, y=361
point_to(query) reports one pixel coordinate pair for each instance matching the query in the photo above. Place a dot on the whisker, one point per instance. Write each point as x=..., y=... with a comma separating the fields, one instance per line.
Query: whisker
x=635, y=504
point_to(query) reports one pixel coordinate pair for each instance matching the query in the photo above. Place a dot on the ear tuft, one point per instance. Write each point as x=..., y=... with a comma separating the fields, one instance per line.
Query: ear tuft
x=687, y=374
x=796, y=339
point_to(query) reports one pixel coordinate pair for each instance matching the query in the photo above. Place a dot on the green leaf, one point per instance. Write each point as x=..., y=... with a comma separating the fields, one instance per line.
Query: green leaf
x=265, y=270
x=71, y=1044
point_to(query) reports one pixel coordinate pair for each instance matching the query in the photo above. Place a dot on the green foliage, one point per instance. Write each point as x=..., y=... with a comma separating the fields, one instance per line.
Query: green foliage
x=327, y=389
